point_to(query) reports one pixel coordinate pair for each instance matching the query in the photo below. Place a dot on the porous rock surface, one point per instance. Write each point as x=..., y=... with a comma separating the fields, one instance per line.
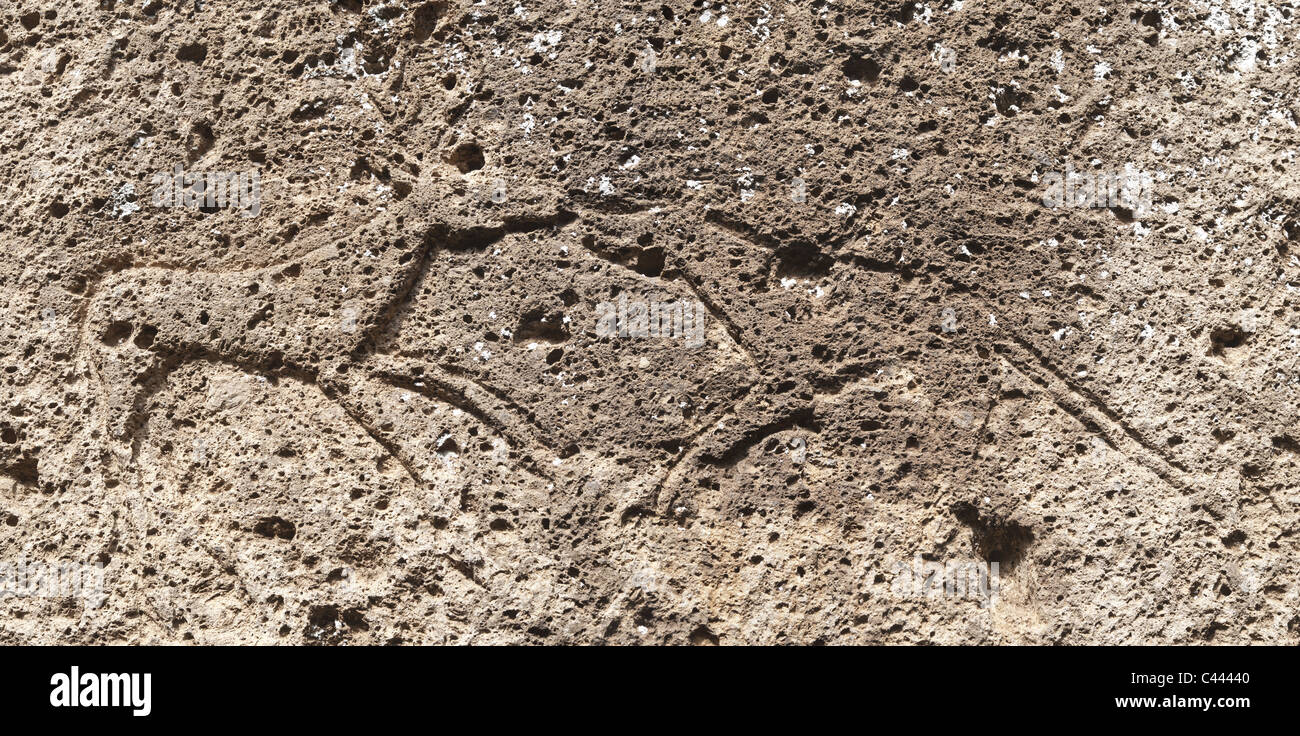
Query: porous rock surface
x=380, y=410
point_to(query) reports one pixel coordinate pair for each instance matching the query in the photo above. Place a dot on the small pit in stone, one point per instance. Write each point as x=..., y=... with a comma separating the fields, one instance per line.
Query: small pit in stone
x=117, y=333
x=1227, y=340
x=467, y=157
x=275, y=527
x=859, y=69
x=995, y=539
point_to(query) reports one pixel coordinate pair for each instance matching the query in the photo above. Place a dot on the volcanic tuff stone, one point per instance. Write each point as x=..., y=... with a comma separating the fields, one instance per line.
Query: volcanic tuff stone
x=381, y=411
